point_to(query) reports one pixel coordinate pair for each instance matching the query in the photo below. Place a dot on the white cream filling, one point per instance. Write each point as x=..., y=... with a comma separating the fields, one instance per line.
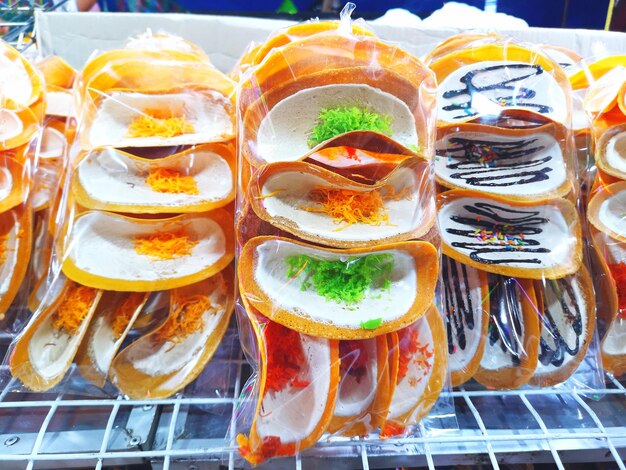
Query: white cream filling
x=580, y=119
x=292, y=414
x=612, y=212
x=51, y=351
x=60, y=103
x=284, y=131
x=356, y=396
x=485, y=103
x=10, y=125
x=411, y=388
x=102, y=244
x=209, y=115
x=292, y=196
x=116, y=178
x=554, y=228
x=563, y=325
x=451, y=154
x=15, y=83
x=270, y=273
x=13, y=247
x=615, y=152
x=52, y=143
x=102, y=345
x=6, y=183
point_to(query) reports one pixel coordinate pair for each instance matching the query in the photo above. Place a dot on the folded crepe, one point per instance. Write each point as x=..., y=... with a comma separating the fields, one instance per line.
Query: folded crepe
x=322, y=207
x=465, y=298
x=116, y=252
x=195, y=180
x=164, y=361
x=510, y=238
x=298, y=386
x=491, y=78
x=512, y=345
x=520, y=164
x=567, y=319
x=340, y=294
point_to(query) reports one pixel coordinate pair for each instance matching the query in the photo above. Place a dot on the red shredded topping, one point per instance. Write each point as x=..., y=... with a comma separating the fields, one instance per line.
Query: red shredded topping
x=270, y=447
x=391, y=429
x=285, y=358
x=618, y=271
x=412, y=350
x=353, y=359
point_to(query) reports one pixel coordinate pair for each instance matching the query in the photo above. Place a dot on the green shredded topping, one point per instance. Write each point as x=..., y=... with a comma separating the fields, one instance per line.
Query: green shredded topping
x=371, y=324
x=342, y=281
x=415, y=148
x=341, y=119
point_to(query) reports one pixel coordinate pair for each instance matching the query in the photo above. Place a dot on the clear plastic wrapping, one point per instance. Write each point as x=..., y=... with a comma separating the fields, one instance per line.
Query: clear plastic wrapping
x=508, y=151
x=338, y=247
x=134, y=283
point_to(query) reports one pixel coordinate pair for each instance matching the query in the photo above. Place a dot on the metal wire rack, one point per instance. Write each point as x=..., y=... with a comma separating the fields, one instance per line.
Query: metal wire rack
x=17, y=19
x=64, y=430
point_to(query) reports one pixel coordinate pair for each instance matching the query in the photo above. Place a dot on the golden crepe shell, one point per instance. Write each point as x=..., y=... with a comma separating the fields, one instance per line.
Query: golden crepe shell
x=465, y=301
x=43, y=354
x=606, y=210
x=264, y=285
x=21, y=84
x=199, y=179
x=267, y=119
x=501, y=60
x=115, y=252
x=283, y=194
x=578, y=297
x=527, y=164
x=363, y=389
x=317, y=398
x=510, y=238
x=15, y=250
x=431, y=360
x=526, y=340
x=157, y=366
x=18, y=126
x=610, y=151
x=57, y=72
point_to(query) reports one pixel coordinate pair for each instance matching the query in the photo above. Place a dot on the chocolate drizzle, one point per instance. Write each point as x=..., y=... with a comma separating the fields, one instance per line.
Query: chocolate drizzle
x=568, y=308
x=457, y=298
x=478, y=82
x=483, y=163
x=506, y=321
x=499, y=229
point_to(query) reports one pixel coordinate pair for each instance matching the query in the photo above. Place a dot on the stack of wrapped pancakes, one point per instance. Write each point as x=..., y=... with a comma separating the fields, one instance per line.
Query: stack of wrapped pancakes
x=21, y=116
x=145, y=225
x=519, y=303
x=605, y=81
x=336, y=127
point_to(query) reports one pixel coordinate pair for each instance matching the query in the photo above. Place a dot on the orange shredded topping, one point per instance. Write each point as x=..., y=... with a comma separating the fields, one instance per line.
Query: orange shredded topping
x=159, y=123
x=164, y=245
x=73, y=308
x=3, y=247
x=351, y=207
x=411, y=350
x=125, y=312
x=167, y=180
x=186, y=319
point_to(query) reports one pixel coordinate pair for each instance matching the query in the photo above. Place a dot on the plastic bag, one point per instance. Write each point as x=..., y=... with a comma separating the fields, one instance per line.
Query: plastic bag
x=337, y=263
x=139, y=289
x=519, y=300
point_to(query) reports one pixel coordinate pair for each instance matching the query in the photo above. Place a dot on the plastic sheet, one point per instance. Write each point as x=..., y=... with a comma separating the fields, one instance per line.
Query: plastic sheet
x=133, y=281
x=338, y=251
x=519, y=299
